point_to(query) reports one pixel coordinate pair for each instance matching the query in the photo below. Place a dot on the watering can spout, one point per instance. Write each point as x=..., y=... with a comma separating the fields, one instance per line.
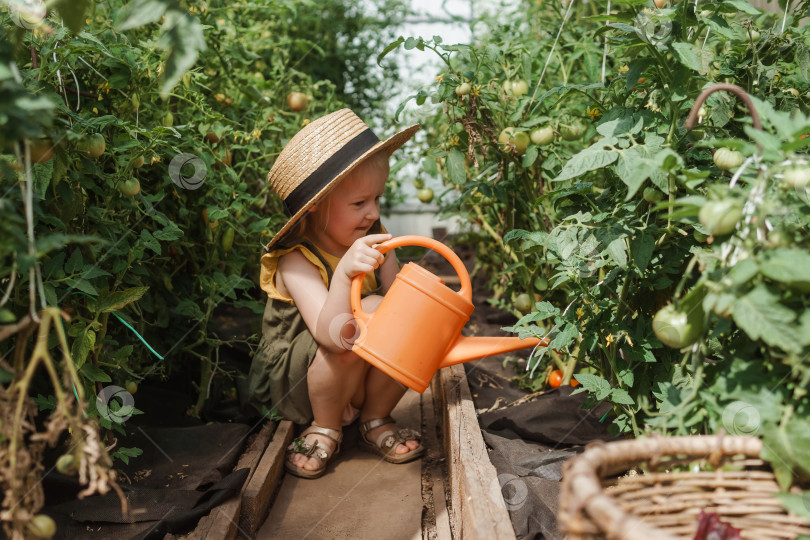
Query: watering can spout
x=472, y=348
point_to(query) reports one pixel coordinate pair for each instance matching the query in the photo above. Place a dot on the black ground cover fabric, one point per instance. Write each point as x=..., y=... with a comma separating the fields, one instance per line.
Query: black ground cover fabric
x=186, y=469
x=528, y=442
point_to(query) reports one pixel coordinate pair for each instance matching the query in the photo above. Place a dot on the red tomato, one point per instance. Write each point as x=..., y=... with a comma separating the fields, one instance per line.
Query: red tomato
x=555, y=378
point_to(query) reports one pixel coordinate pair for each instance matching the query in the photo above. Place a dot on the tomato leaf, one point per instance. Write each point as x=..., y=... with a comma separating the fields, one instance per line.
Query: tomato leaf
x=82, y=285
x=125, y=453
x=141, y=12
x=687, y=56
x=641, y=249
x=185, y=40
x=390, y=47
x=594, y=157
x=565, y=336
x=169, y=232
x=788, y=450
x=720, y=25
x=789, y=266
x=530, y=156
x=743, y=6
x=594, y=384
x=617, y=251
x=117, y=300
x=743, y=272
x=760, y=315
x=621, y=397
x=798, y=504
x=82, y=345
x=42, y=173
x=455, y=166
x=634, y=168
x=149, y=241
x=45, y=403
x=91, y=372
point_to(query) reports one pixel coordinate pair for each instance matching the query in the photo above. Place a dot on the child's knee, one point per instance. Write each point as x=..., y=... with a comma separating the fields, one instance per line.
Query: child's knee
x=371, y=303
x=342, y=358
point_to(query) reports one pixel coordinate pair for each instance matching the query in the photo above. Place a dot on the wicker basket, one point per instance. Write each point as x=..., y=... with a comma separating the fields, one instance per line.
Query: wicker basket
x=665, y=505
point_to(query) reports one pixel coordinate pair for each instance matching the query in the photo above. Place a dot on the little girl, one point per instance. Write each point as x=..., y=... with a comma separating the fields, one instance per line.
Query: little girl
x=330, y=176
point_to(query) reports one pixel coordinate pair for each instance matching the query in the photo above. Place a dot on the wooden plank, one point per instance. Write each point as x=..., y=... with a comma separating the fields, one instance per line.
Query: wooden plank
x=257, y=497
x=222, y=522
x=432, y=464
x=478, y=510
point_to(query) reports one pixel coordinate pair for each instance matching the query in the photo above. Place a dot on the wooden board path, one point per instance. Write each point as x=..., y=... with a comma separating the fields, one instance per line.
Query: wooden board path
x=459, y=492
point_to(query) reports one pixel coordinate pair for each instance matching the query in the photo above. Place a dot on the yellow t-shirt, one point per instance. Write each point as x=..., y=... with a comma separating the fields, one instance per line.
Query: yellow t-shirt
x=269, y=267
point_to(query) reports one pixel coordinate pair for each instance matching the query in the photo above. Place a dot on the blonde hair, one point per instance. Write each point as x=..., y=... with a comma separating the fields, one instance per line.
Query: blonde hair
x=376, y=161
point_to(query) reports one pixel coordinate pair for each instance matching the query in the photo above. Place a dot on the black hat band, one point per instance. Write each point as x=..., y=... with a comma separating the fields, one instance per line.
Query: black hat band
x=328, y=170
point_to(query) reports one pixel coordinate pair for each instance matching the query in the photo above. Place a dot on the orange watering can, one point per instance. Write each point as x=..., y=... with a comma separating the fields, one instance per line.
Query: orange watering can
x=416, y=330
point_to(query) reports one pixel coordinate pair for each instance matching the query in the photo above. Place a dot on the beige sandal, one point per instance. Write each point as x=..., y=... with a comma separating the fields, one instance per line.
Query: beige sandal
x=322, y=454
x=386, y=444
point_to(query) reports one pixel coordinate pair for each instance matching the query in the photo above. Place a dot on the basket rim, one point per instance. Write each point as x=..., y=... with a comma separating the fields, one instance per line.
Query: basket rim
x=586, y=508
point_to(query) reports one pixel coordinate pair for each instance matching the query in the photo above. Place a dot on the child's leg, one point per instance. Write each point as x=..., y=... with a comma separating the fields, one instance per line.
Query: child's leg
x=382, y=395
x=332, y=381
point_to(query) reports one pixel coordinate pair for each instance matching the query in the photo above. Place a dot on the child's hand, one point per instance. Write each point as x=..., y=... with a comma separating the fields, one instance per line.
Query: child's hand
x=362, y=257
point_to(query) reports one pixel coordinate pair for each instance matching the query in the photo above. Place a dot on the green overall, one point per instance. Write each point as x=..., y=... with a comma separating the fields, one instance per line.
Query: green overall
x=278, y=372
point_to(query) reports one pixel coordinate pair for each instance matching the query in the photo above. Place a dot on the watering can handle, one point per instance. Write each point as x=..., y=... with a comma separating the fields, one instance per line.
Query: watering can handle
x=413, y=240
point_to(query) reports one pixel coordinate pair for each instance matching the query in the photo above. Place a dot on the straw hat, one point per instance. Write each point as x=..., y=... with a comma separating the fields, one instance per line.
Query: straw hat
x=319, y=156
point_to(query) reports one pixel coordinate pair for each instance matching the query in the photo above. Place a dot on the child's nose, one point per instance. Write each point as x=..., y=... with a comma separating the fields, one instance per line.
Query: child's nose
x=373, y=212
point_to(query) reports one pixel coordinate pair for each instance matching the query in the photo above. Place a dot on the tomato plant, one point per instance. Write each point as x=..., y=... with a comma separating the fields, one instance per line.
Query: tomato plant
x=675, y=288
x=100, y=102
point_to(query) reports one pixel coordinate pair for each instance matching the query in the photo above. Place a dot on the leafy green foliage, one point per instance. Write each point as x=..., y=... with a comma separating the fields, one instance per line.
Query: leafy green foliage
x=571, y=227
x=118, y=90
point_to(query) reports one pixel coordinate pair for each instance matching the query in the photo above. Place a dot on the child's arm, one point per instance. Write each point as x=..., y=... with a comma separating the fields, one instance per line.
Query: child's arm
x=324, y=310
x=389, y=271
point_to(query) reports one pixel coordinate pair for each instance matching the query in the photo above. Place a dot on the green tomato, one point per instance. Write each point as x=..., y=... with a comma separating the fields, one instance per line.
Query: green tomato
x=418, y=183
x=676, y=328
x=523, y=303
x=541, y=284
x=652, y=195
x=92, y=146
x=510, y=137
x=542, y=136
x=137, y=162
x=720, y=217
x=227, y=239
x=727, y=159
x=425, y=195
x=572, y=130
x=776, y=239
x=754, y=35
x=42, y=526
x=463, y=89
x=129, y=187
x=519, y=88
x=297, y=101
x=65, y=464
x=168, y=119
x=796, y=177
x=132, y=386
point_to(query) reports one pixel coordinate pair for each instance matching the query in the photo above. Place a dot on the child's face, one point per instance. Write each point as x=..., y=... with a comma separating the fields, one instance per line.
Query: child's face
x=350, y=210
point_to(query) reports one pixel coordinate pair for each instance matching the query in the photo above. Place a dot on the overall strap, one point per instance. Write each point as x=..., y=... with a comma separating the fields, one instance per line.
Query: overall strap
x=311, y=247
x=376, y=228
